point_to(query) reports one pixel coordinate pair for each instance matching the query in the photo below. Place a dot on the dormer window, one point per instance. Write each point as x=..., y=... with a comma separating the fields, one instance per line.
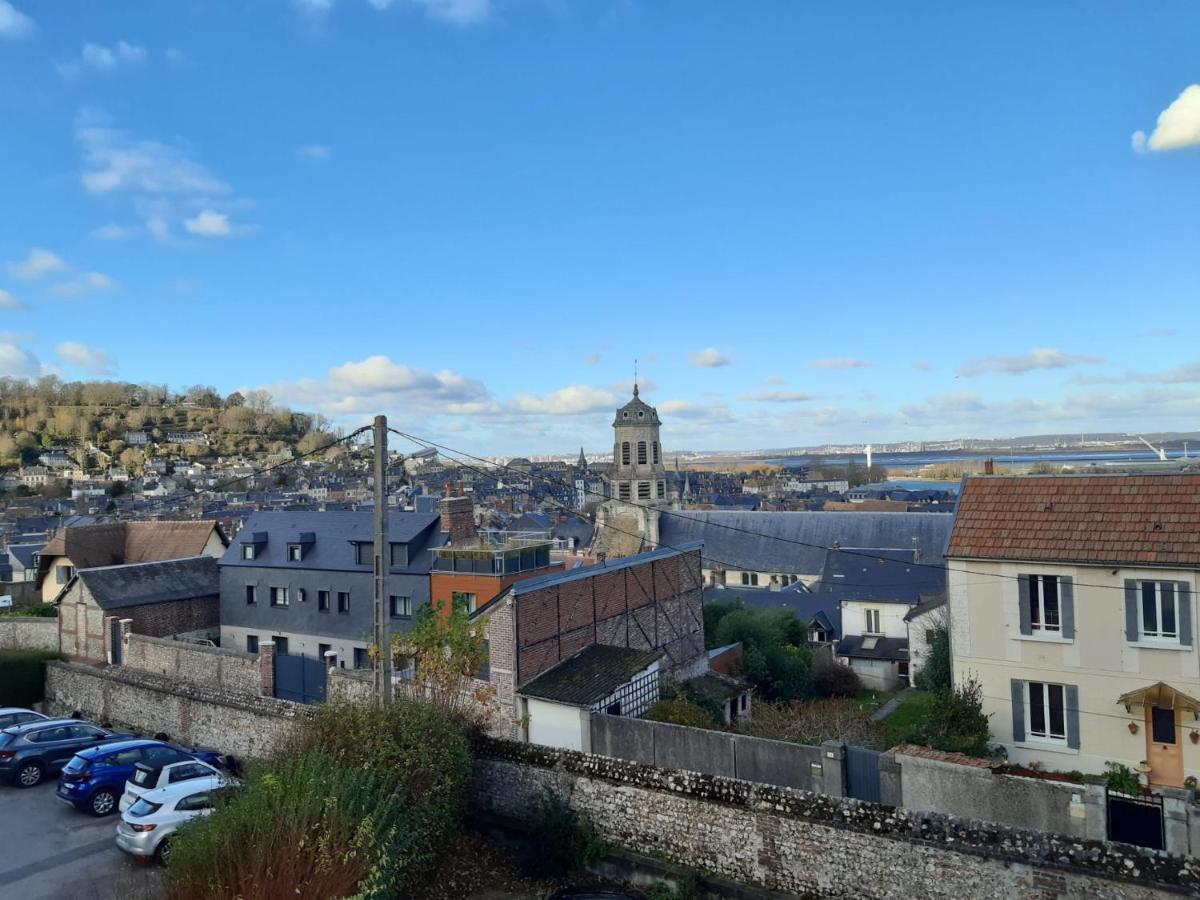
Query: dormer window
x=364, y=554
x=248, y=551
x=295, y=552
x=399, y=555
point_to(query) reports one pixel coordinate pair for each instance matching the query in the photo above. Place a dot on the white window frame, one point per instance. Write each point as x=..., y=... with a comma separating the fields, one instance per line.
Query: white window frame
x=1037, y=605
x=295, y=553
x=279, y=596
x=1048, y=737
x=873, y=618
x=247, y=551
x=1157, y=637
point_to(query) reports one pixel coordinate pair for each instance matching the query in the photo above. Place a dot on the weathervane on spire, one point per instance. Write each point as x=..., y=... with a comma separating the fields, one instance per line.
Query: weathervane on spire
x=635, y=390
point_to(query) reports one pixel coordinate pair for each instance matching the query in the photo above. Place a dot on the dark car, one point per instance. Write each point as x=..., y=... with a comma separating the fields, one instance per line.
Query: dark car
x=94, y=779
x=31, y=751
x=15, y=715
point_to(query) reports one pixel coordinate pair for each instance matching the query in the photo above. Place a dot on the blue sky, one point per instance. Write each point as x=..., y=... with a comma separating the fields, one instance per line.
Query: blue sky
x=809, y=221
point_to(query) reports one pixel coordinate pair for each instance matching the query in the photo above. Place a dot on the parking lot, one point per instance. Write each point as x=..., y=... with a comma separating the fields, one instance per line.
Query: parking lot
x=50, y=850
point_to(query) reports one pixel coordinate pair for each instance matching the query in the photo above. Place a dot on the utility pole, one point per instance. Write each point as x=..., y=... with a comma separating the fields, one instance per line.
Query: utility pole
x=383, y=638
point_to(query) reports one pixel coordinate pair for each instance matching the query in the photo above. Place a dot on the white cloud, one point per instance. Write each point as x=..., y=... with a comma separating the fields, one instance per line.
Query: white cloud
x=92, y=360
x=8, y=301
x=708, y=359
x=778, y=397
x=86, y=283
x=573, y=400
x=1178, y=125
x=14, y=23
x=839, y=362
x=37, y=264
x=100, y=58
x=314, y=152
x=1019, y=364
x=456, y=12
x=112, y=232
x=208, y=224
x=16, y=361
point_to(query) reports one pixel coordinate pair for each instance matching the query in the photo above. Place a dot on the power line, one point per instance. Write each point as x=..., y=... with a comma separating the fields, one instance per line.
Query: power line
x=667, y=512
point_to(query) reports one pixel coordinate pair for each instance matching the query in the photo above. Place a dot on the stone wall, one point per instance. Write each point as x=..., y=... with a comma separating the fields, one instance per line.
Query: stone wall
x=192, y=714
x=803, y=843
x=211, y=666
x=28, y=633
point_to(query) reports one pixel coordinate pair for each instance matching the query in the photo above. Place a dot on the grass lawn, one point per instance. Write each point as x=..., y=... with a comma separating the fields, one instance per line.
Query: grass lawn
x=906, y=719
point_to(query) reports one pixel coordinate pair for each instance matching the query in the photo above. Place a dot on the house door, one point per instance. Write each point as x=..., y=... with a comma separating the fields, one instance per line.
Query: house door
x=1164, y=750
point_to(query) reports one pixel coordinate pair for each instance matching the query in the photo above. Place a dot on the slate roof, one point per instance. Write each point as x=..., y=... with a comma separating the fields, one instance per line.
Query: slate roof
x=884, y=647
x=880, y=576
x=574, y=527
x=624, y=562
x=114, y=543
x=806, y=536
x=140, y=584
x=24, y=553
x=628, y=414
x=1149, y=520
x=334, y=533
x=923, y=607
x=589, y=675
x=807, y=607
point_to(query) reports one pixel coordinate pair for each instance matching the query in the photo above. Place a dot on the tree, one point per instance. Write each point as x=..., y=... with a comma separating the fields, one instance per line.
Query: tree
x=956, y=722
x=448, y=650
x=936, y=673
x=235, y=399
x=713, y=614
x=776, y=657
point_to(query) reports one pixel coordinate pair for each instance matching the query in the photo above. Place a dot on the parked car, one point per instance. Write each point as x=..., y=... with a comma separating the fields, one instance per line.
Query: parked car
x=95, y=779
x=146, y=828
x=31, y=751
x=15, y=715
x=151, y=775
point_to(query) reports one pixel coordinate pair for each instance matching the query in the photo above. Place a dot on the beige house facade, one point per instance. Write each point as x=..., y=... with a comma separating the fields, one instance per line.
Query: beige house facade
x=1083, y=639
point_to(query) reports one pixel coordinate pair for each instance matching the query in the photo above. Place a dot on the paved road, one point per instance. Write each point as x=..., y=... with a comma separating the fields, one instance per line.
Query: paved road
x=50, y=850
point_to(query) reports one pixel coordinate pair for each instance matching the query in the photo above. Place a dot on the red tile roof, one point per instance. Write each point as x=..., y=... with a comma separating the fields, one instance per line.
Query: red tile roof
x=1146, y=520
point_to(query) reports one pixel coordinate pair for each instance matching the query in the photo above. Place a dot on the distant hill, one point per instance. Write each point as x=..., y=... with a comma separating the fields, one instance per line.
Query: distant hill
x=106, y=422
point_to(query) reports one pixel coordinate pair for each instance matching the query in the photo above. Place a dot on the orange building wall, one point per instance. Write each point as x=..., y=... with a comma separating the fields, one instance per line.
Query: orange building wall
x=444, y=585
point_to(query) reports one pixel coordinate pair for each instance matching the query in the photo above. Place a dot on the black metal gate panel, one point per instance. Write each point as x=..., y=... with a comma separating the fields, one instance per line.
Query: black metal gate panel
x=299, y=678
x=115, y=627
x=862, y=774
x=1136, y=820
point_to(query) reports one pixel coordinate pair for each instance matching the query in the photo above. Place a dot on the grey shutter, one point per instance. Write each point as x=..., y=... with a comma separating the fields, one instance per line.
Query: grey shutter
x=1072, y=703
x=1131, y=621
x=1018, y=709
x=1066, y=606
x=1183, y=593
x=1023, y=601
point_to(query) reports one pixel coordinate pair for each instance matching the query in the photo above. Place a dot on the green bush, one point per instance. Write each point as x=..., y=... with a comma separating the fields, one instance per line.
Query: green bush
x=714, y=612
x=935, y=675
x=359, y=806
x=776, y=659
x=956, y=722
x=564, y=839
x=682, y=711
x=1119, y=777
x=832, y=679
x=41, y=611
x=23, y=676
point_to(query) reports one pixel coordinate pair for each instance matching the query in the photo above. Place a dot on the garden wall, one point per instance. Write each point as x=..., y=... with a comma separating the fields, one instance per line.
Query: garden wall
x=804, y=843
x=28, y=633
x=212, y=666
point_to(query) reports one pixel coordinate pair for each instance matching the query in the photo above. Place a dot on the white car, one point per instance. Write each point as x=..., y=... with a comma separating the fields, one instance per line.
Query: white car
x=148, y=778
x=146, y=828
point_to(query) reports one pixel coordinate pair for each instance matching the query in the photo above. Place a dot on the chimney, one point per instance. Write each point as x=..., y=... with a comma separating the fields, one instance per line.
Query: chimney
x=989, y=467
x=458, y=515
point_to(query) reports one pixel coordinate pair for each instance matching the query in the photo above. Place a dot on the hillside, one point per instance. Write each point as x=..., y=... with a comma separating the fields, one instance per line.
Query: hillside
x=99, y=422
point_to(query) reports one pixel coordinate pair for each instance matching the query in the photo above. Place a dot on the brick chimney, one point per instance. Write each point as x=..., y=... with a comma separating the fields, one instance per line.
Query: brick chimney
x=458, y=514
x=989, y=467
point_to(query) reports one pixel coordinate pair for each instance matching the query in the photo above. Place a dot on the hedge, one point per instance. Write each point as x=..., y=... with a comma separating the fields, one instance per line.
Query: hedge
x=23, y=676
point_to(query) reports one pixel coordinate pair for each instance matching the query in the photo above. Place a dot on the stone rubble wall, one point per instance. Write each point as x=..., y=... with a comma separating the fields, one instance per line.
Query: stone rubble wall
x=211, y=666
x=28, y=633
x=803, y=843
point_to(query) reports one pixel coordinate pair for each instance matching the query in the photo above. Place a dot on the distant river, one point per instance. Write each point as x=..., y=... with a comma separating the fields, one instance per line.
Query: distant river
x=1016, y=458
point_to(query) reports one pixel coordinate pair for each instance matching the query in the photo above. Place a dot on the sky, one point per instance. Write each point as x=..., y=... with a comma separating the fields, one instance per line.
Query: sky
x=808, y=222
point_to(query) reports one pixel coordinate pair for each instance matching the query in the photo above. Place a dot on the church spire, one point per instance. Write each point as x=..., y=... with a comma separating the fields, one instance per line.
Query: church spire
x=583, y=463
x=635, y=389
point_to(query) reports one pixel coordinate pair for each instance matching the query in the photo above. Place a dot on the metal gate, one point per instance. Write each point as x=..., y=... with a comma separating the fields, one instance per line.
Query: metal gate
x=1135, y=820
x=862, y=774
x=299, y=678
x=115, y=635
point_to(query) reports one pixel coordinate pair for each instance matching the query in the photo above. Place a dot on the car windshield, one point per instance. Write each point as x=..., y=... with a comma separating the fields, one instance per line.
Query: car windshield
x=144, y=807
x=77, y=764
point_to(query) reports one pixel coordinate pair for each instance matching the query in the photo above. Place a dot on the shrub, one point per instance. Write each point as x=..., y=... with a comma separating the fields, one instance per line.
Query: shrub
x=776, y=659
x=565, y=840
x=956, y=722
x=713, y=614
x=1119, y=777
x=682, y=711
x=41, y=611
x=935, y=675
x=815, y=721
x=831, y=679
x=23, y=676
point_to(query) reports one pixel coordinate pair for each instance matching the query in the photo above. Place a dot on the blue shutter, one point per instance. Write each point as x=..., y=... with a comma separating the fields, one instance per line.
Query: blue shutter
x=1066, y=606
x=1018, y=709
x=1023, y=603
x=1072, y=705
x=1131, y=611
x=1183, y=593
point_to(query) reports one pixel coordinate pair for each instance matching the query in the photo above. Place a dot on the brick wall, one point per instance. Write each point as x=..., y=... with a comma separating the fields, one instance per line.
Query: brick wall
x=176, y=617
x=812, y=845
x=32, y=633
x=212, y=666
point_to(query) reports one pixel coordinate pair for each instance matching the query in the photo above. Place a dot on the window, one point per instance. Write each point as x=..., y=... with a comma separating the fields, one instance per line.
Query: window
x=187, y=771
x=322, y=650
x=662, y=489
x=195, y=802
x=401, y=607
x=470, y=599
x=643, y=490
x=62, y=574
x=1162, y=725
x=251, y=595
x=281, y=644
x=930, y=635
x=361, y=660
x=873, y=622
x=300, y=594
x=1044, y=613
x=623, y=490
x=252, y=643
x=364, y=554
x=295, y=552
x=750, y=579
x=1045, y=712
x=641, y=453
x=322, y=601
x=247, y=551
x=656, y=453
x=279, y=596
x=1157, y=620
x=625, y=453
x=400, y=555
x=343, y=602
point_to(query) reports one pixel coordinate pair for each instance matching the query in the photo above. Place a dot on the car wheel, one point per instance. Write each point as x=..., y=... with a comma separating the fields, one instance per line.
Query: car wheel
x=30, y=775
x=162, y=853
x=104, y=802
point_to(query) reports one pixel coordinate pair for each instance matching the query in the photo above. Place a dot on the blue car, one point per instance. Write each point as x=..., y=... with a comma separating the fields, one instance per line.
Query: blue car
x=94, y=780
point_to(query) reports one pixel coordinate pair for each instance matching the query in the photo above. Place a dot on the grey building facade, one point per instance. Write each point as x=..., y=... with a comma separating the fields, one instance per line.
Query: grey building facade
x=303, y=580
